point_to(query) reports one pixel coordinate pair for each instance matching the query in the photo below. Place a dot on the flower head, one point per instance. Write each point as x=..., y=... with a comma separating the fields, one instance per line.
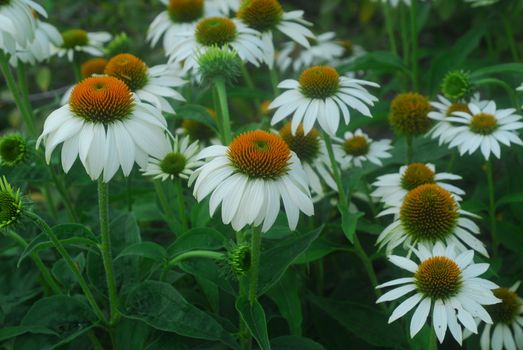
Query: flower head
x=456, y=85
x=11, y=204
x=321, y=94
x=356, y=148
x=446, y=280
x=93, y=66
x=13, y=150
x=79, y=40
x=409, y=114
x=249, y=177
x=238, y=259
x=220, y=63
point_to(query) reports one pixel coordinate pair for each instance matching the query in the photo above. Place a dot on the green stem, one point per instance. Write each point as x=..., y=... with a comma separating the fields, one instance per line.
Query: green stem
x=336, y=172
x=11, y=84
x=274, y=81
x=76, y=69
x=224, y=119
x=196, y=254
x=414, y=42
x=255, y=264
x=243, y=332
x=50, y=201
x=367, y=263
x=164, y=203
x=26, y=104
x=372, y=205
x=508, y=89
x=105, y=248
x=433, y=341
x=62, y=190
x=181, y=204
x=250, y=84
x=510, y=36
x=129, y=192
x=492, y=207
x=69, y=261
x=389, y=23
x=46, y=275
x=409, y=149
x=404, y=35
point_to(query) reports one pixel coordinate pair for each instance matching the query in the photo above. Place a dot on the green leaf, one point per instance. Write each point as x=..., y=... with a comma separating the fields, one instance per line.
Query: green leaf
x=40, y=243
x=68, y=317
x=197, y=113
x=209, y=270
x=276, y=260
x=131, y=334
x=294, y=342
x=149, y=250
x=254, y=318
x=510, y=199
x=11, y=332
x=286, y=295
x=378, y=61
x=197, y=238
x=63, y=273
x=365, y=322
x=161, y=306
x=509, y=68
x=319, y=248
x=349, y=221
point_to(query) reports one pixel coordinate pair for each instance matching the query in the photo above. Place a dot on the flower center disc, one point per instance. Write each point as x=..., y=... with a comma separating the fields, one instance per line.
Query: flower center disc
x=319, y=82
x=74, y=37
x=409, y=114
x=458, y=107
x=262, y=15
x=12, y=149
x=101, y=100
x=215, y=31
x=415, y=175
x=93, y=66
x=173, y=163
x=130, y=69
x=508, y=310
x=306, y=147
x=259, y=154
x=185, y=11
x=429, y=213
x=356, y=146
x=483, y=124
x=438, y=277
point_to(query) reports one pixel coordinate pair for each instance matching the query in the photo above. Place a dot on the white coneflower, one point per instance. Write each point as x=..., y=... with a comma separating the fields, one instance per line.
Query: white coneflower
x=324, y=49
x=17, y=23
x=78, y=40
x=249, y=178
x=41, y=47
x=429, y=214
x=477, y=3
x=484, y=128
x=106, y=128
x=392, y=188
x=181, y=15
x=211, y=32
x=179, y=160
x=151, y=84
x=506, y=332
x=267, y=16
x=312, y=153
x=447, y=281
x=356, y=148
x=93, y=66
x=322, y=95
x=395, y=3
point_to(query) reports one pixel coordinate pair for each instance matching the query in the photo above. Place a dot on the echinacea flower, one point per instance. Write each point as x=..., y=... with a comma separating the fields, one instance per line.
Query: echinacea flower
x=395, y=3
x=484, y=128
x=323, y=49
x=456, y=85
x=392, y=188
x=178, y=160
x=13, y=150
x=322, y=95
x=78, y=40
x=429, y=214
x=106, y=127
x=267, y=16
x=11, y=204
x=506, y=332
x=446, y=281
x=17, y=23
x=93, y=66
x=356, y=148
x=153, y=85
x=409, y=114
x=41, y=47
x=249, y=178
x=312, y=153
x=478, y=3
x=219, y=32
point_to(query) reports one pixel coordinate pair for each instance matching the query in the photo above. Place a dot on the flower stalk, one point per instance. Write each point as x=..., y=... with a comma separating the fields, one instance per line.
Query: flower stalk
x=223, y=115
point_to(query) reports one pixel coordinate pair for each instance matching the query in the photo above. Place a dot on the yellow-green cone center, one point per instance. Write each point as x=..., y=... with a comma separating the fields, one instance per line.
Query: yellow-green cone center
x=128, y=68
x=319, y=82
x=438, y=277
x=239, y=259
x=356, y=146
x=456, y=85
x=306, y=147
x=74, y=37
x=215, y=31
x=483, y=124
x=12, y=150
x=185, y=11
x=458, y=107
x=429, y=213
x=173, y=163
x=262, y=15
x=409, y=114
x=508, y=310
x=415, y=175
